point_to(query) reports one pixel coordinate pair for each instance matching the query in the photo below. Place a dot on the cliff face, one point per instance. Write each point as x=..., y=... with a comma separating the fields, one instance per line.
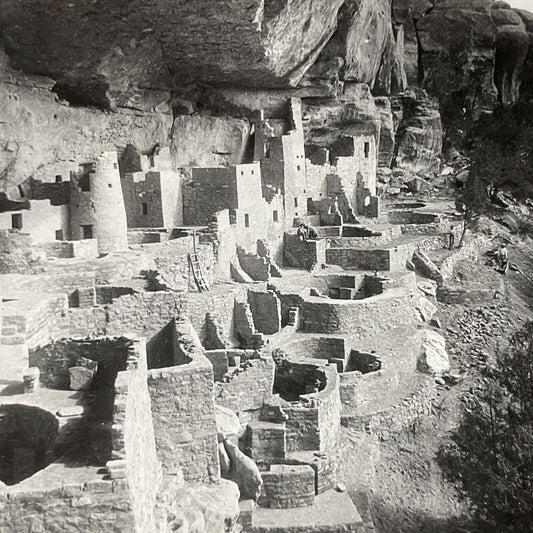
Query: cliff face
x=191, y=74
x=129, y=52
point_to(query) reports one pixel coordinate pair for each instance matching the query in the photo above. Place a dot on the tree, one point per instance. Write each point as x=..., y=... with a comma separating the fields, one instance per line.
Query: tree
x=492, y=450
x=472, y=201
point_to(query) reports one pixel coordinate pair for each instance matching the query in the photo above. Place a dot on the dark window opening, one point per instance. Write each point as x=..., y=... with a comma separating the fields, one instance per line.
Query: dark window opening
x=87, y=231
x=298, y=167
x=367, y=149
x=252, y=171
x=242, y=172
x=110, y=185
x=59, y=178
x=275, y=216
x=232, y=217
x=59, y=235
x=296, y=202
x=85, y=183
x=152, y=161
x=115, y=165
x=16, y=221
x=246, y=221
x=144, y=208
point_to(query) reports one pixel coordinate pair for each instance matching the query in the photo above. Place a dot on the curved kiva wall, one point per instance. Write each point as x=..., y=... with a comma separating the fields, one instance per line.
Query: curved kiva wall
x=392, y=309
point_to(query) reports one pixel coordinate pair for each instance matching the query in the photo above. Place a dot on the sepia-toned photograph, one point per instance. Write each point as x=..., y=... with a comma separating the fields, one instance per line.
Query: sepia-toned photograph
x=266, y=266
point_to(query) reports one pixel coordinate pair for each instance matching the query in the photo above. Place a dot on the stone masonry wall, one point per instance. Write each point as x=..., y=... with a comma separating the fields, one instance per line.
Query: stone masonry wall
x=266, y=310
x=132, y=410
x=249, y=390
x=389, y=310
x=96, y=506
x=183, y=410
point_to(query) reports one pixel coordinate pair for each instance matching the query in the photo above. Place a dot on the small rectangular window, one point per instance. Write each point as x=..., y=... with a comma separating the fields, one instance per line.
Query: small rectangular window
x=152, y=161
x=87, y=231
x=85, y=183
x=252, y=171
x=232, y=217
x=296, y=202
x=59, y=235
x=367, y=149
x=115, y=165
x=59, y=178
x=16, y=221
x=275, y=216
x=297, y=167
x=144, y=208
x=246, y=221
x=110, y=185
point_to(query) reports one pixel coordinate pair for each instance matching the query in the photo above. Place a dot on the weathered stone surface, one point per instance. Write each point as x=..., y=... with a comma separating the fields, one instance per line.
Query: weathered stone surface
x=228, y=424
x=419, y=132
x=244, y=472
x=119, y=51
x=201, y=140
x=40, y=137
x=366, y=43
x=352, y=113
x=457, y=51
x=425, y=308
x=512, y=43
x=434, y=358
x=80, y=377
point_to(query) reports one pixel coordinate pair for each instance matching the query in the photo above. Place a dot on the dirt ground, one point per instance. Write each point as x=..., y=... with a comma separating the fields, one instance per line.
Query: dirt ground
x=407, y=489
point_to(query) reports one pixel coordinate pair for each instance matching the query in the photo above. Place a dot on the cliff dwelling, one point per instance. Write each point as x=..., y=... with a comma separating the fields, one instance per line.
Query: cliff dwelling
x=251, y=266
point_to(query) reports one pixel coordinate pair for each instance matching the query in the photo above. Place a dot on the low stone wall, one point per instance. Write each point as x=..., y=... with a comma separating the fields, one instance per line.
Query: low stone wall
x=457, y=295
x=248, y=390
x=83, y=249
x=394, y=308
x=360, y=259
x=183, y=410
x=288, y=486
x=303, y=254
x=412, y=217
x=398, y=417
x=96, y=506
x=55, y=359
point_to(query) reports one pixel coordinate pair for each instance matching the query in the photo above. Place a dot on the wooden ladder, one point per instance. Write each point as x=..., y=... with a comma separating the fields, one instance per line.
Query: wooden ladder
x=197, y=274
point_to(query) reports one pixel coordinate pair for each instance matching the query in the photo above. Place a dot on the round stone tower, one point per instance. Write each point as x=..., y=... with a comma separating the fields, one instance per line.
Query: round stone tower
x=110, y=213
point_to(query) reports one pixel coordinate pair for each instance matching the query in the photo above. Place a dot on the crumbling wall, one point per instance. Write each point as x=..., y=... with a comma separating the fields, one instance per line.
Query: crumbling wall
x=132, y=411
x=266, y=310
x=247, y=391
x=183, y=410
x=54, y=359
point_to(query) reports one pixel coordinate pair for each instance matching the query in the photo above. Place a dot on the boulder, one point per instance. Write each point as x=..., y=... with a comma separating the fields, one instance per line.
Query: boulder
x=419, y=185
x=425, y=309
x=225, y=464
x=80, y=377
x=244, y=472
x=228, y=424
x=433, y=359
x=429, y=288
x=210, y=508
x=426, y=266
